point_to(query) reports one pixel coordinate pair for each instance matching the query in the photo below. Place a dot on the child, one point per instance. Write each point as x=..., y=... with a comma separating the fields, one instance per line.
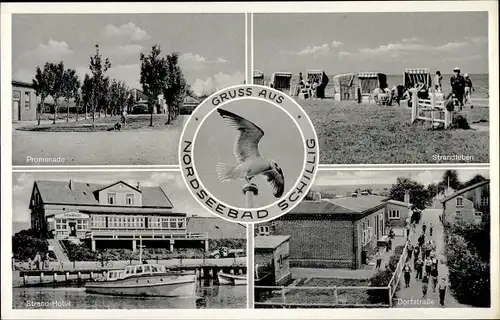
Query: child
x=434, y=277
x=407, y=273
x=378, y=255
x=442, y=291
x=419, y=266
x=430, y=229
x=425, y=285
x=428, y=266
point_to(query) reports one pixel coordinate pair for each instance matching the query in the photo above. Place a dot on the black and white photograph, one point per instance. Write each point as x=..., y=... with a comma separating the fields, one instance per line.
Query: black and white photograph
x=113, y=89
x=121, y=240
x=375, y=239
x=382, y=88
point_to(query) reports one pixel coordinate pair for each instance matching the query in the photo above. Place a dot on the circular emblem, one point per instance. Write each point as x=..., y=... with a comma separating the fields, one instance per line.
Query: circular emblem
x=249, y=153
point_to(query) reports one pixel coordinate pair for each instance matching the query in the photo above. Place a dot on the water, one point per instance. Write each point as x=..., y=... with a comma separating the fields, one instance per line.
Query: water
x=209, y=296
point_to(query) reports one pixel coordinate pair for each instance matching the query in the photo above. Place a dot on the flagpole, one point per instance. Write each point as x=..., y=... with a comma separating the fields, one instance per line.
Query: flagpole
x=250, y=190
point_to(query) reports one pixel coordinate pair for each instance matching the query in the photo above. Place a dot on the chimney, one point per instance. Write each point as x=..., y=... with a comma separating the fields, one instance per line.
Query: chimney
x=138, y=185
x=407, y=197
x=70, y=185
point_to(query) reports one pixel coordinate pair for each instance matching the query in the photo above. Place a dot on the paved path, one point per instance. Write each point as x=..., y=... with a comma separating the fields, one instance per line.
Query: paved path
x=137, y=147
x=415, y=289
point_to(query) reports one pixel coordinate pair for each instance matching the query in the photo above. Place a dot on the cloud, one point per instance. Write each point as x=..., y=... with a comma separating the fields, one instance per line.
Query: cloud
x=128, y=73
x=216, y=82
x=336, y=44
x=312, y=50
x=194, y=60
x=129, y=31
x=411, y=46
x=52, y=51
x=25, y=75
x=128, y=49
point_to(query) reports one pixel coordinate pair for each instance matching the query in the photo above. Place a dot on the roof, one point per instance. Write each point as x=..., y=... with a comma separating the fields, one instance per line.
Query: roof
x=396, y=202
x=189, y=99
x=343, y=75
x=417, y=70
x=22, y=84
x=464, y=190
x=269, y=242
x=345, y=205
x=258, y=73
x=114, y=184
x=82, y=193
x=216, y=228
x=282, y=74
x=315, y=71
x=369, y=74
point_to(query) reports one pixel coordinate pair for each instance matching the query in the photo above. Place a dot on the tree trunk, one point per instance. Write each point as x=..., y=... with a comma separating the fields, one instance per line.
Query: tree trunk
x=67, y=109
x=77, y=105
x=93, y=115
x=55, y=111
x=151, y=120
x=40, y=108
x=86, y=110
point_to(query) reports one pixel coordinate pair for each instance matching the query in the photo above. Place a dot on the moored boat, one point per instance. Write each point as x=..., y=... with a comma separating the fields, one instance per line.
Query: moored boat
x=145, y=280
x=231, y=279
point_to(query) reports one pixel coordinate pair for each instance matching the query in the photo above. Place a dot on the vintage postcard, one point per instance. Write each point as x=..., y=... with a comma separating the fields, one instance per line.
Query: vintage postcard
x=217, y=160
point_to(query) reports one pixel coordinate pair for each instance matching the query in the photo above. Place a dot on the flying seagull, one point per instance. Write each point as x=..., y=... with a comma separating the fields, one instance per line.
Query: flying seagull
x=246, y=152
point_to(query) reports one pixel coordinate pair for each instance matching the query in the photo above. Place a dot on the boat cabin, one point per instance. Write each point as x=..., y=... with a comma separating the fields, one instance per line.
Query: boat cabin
x=143, y=269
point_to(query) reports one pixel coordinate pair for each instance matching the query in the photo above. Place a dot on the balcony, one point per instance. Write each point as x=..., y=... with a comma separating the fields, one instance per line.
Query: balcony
x=145, y=234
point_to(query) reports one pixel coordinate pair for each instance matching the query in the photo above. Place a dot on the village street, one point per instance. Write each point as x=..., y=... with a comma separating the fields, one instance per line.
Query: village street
x=415, y=290
x=134, y=147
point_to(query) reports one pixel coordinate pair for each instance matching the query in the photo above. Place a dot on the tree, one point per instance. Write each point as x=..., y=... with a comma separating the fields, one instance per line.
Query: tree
x=130, y=103
x=98, y=68
x=55, y=84
x=70, y=86
x=41, y=85
x=432, y=190
x=476, y=179
x=153, y=76
x=176, y=88
x=450, y=178
x=118, y=92
x=419, y=197
x=78, y=100
x=87, y=93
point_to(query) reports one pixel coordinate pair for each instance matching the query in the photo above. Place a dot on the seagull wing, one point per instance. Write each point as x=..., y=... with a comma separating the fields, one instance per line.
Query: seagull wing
x=249, y=135
x=277, y=181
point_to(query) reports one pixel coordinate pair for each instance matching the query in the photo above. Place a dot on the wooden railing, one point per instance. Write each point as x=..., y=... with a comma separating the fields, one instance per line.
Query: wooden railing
x=150, y=234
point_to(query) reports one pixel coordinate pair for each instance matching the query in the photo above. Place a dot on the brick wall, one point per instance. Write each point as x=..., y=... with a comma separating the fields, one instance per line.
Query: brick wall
x=466, y=211
x=403, y=215
x=370, y=247
x=317, y=242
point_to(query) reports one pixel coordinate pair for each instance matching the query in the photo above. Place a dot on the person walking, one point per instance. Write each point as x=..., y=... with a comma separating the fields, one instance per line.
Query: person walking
x=428, y=266
x=424, y=228
x=458, y=86
x=409, y=250
x=469, y=87
x=428, y=249
x=438, y=78
x=430, y=229
x=407, y=275
x=442, y=291
x=434, y=277
x=415, y=257
x=378, y=256
x=419, y=267
x=425, y=285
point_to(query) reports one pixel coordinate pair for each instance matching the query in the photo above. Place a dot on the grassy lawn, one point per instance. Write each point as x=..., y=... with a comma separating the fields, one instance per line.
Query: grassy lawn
x=349, y=133
x=323, y=296
x=102, y=123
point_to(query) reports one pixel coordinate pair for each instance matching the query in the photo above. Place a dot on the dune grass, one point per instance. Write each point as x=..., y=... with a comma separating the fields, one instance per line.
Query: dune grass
x=352, y=133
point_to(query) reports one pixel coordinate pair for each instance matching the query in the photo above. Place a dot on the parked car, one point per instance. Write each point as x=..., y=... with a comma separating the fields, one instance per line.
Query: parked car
x=140, y=108
x=225, y=252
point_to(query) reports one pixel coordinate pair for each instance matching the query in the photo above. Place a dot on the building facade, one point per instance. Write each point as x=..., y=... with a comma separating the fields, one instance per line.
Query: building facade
x=469, y=205
x=24, y=101
x=114, y=215
x=272, y=260
x=332, y=233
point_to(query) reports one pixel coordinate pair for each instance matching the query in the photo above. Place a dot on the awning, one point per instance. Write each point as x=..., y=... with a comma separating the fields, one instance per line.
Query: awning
x=71, y=215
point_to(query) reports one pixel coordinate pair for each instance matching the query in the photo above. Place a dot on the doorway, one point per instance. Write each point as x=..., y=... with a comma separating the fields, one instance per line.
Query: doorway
x=72, y=229
x=17, y=111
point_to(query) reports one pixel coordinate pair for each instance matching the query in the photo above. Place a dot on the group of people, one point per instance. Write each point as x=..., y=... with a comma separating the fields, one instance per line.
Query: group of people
x=461, y=87
x=425, y=264
x=313, y=87
x=40, y=261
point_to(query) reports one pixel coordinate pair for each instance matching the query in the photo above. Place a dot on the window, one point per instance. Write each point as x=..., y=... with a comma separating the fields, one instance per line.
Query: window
x=281, y=261
x=111, y=198
x=180, y=223
x=98, y=222
x=478, y=214
x=27, y=100
x=484, y=201
x=394, y=214
x=154, y=223
x=164, y=223
x=264, y=230
x=129, y=199
x=173, y=223
x=460, y=202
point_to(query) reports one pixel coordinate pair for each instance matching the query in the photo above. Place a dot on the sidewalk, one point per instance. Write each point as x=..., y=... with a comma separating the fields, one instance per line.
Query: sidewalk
x=415, y=289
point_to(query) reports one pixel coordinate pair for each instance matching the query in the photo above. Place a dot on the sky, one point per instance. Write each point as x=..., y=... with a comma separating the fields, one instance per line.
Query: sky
x=171, y=183
x=211, y=46
x=425, y=177
x=383, y=42
x=215, y=143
